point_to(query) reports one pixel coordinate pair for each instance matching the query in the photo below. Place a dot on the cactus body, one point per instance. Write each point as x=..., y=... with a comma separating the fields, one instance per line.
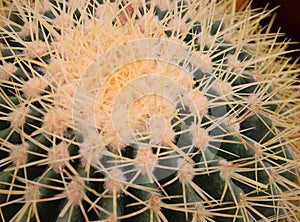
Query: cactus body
x=145, y=111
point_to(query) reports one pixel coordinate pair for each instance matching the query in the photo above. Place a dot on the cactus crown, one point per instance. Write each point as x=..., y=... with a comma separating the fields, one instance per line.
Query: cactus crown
x=145, y=111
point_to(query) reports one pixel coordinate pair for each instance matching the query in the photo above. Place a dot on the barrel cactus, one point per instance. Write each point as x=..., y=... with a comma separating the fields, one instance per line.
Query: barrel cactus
x=146, y=111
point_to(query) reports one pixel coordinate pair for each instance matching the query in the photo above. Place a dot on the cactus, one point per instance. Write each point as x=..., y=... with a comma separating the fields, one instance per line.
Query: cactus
x=146, y=111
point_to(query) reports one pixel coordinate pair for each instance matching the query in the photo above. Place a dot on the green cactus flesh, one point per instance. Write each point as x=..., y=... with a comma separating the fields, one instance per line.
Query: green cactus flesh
x=209, y=140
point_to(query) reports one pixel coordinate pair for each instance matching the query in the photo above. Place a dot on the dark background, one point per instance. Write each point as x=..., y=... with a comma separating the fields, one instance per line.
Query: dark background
x=288, y=19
